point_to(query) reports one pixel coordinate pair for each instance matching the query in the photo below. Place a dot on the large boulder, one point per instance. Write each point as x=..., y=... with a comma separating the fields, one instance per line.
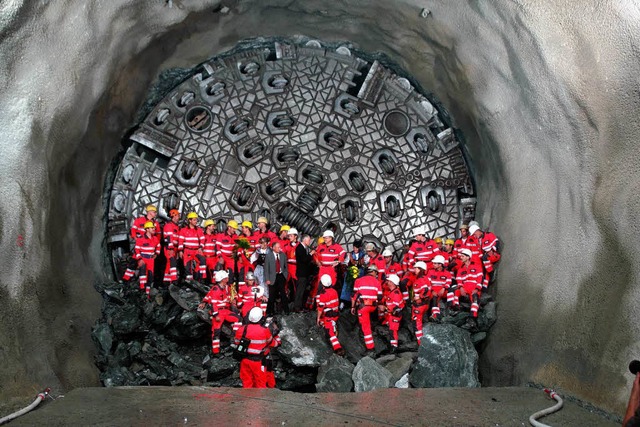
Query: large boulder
x=446, y=358
x=351, y=337
x=102, y=337
x=303, y=342
x=188, y=326
x=125, y=320
x=369, y=375
x=335, y=375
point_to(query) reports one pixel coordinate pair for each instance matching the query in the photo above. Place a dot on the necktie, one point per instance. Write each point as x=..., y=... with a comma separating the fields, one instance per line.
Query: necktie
x=278, y=263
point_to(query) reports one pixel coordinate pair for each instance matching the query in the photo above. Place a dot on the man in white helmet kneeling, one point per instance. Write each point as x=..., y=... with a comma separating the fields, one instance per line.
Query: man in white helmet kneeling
x=252, y=342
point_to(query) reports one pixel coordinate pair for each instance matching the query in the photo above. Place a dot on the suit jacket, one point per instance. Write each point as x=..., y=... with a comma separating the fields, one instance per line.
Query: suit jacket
x=270, y=266
x=303, y=261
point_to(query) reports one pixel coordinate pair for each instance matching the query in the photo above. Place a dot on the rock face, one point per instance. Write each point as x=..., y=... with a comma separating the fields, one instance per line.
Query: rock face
x=446, y=358
x=335, y=375
x=369, y=375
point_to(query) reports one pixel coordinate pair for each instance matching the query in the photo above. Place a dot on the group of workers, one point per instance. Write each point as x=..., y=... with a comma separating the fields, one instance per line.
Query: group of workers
x=254, y=274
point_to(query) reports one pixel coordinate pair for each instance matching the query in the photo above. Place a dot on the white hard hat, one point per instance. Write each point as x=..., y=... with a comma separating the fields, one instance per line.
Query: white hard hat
x=387, y=252
x=255, y=315
x=473, y=228
x=257, y=291
x=220, y=275
x=474, y=223
x=327, y=233
x=326, y=280
x=293, y=231
x=373, y=267
x=421, y=264
x=466, y=252
x=418, y=230
x=369, y=247
x=250, y=276
x=393, y=278
x=438, y=259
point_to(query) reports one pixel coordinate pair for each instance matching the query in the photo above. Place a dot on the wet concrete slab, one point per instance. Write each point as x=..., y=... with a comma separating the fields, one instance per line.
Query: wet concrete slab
x=179, y=406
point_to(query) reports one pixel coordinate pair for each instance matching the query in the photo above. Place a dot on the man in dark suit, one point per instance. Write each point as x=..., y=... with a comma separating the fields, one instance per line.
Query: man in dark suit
x=275, y=275
x=304, y=265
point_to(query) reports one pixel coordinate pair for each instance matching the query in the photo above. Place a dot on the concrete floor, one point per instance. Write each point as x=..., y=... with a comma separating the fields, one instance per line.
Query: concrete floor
x=172, y=406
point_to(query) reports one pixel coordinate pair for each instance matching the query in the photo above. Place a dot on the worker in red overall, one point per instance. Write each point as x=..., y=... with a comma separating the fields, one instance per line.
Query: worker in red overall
x=422, y=249
x=251, y=342
x=328, y=256
x=391, y=309
x=366, y=294
x=191, y=244
x=263, y=230
x=219, y=300
x=225, y=246
x=420, y=305
x=469, y=279
x=209, y=248
x=462, y=241
x=137, y=230
x=391, y=267
x=327, y=304
x=283, y=236
x=376, y=259
x=439, y=283
x=145, y=252
x=171, y=242
x=290, y=251
x=250, y=295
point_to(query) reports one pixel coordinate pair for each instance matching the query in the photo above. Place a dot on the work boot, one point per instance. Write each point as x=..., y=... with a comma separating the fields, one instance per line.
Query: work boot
x=340, y=352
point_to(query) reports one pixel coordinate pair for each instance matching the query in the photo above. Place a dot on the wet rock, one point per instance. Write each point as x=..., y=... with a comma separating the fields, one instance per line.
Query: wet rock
x=163, y=315
x=297, y=379
x=398, y=368
x=457, y=318
x=350, y=337
x=188, y=326
x=103, y=337
x=219, y=368
x=402, y=382
x=303, y=342
x=335, y=375
x=407, y=341
x=478, y=337
x=487, y=316
x=186, y=298
x=369, y=375
x=446, y=358
x=125, y=320
x=121, y=356
x=116, y=376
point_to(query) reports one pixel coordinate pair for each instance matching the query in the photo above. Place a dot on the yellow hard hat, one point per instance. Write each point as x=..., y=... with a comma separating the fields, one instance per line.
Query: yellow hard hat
x=151, y=208
x=320, y=240
x=247, y=224
x=149, y=224
x=285, y=227
x=449, y=242
x=438, y=239
x=263, y=220
x=233, y=223
x=192, y=215
x=208, y=222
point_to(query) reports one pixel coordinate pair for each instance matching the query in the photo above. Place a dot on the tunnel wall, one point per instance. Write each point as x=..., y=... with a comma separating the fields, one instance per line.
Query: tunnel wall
x=546, y=96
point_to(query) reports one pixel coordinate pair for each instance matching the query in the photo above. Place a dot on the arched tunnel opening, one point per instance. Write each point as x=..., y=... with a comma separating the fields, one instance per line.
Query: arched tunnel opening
x=543, y=97
x=309, y=135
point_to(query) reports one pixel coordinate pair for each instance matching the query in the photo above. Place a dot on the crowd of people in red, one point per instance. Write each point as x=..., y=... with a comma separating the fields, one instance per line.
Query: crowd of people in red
x=249, y=275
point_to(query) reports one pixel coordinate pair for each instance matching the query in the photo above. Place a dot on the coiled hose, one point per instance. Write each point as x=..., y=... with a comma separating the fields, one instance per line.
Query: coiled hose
x=553, y=395
x=41, y=396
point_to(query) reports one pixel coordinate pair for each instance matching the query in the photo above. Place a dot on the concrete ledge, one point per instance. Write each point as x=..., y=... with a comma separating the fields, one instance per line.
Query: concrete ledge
x=506, y=406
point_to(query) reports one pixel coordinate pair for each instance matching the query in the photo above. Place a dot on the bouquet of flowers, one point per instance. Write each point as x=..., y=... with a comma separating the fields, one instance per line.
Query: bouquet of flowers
x=350, y=277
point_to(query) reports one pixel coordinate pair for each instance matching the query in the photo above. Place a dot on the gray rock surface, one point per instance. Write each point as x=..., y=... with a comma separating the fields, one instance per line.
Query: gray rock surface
x=303, y=343
x=542, y=94
x=398, y=368
x=369, y=375
x=487, y=316
x=335, y=375
x=446, y=358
